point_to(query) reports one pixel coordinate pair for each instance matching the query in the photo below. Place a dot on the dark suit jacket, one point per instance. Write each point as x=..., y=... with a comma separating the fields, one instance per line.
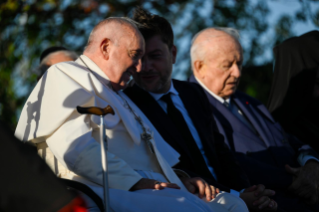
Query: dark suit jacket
x=228, y=172
x=264, y=154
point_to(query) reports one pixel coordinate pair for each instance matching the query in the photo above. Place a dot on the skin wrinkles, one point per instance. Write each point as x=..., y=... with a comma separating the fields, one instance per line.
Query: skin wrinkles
x=126, y=54
x=117, y=52
x=221, y=65
x=157, y=65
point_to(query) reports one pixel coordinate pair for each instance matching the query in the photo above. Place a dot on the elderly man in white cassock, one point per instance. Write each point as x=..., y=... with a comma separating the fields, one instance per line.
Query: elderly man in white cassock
x=140, y=173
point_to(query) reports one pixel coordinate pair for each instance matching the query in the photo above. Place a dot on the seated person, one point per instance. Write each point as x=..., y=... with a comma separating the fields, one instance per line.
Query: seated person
x=260, y=145
x=294, y=96
x=25, y=189
x=139, y=160
x=203, y=153
x=54, y=55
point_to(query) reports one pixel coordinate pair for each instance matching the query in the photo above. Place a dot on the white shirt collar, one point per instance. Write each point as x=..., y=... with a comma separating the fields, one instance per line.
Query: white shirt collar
x=158, y=96
x=212, y=93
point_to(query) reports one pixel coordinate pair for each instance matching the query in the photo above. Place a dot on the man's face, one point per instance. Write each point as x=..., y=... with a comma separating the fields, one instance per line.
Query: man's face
x=221, y=68
x=157, y=62
x=126, y=59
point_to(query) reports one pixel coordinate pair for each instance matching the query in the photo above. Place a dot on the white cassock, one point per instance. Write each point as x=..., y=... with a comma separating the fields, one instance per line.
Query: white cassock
x=68, y=142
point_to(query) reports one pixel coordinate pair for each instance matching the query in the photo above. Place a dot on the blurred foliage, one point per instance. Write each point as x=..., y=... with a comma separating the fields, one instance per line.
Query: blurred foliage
x=30, y=26
x=256, y=81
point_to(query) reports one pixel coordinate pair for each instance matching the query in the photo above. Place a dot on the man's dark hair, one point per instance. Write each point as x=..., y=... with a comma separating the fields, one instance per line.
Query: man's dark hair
x=154, y=25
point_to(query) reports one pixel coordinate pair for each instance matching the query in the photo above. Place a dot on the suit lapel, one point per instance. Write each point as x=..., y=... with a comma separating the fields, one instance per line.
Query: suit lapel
x=226, y=118
x=194, y=111
x=223, y=114
x=158, y=117
x=256, y=120
x=230, y=120
x=197, y=114
x=189, y=104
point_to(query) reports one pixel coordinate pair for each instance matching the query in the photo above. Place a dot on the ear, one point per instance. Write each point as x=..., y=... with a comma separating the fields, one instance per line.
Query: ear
x=198, y=69
x=105, y=48
x=174, y=53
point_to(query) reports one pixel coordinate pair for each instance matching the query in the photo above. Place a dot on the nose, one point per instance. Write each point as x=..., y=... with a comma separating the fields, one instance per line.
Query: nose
x=138, y=65
x=145, y=64
x=236, y=72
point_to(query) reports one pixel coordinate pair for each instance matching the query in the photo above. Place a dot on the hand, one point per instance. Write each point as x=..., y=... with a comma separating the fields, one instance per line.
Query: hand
x=145, y=183
x=306, y=181
x=199, y=185
x=257, y=198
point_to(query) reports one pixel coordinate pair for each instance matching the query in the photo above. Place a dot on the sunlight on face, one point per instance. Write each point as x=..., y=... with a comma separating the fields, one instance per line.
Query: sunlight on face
x=126, y=59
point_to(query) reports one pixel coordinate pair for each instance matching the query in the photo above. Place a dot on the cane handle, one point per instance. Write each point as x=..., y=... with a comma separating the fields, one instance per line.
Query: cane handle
x=96, y=110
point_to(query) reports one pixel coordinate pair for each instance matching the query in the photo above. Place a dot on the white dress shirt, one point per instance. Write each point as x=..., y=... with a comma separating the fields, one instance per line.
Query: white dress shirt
x=180, y=106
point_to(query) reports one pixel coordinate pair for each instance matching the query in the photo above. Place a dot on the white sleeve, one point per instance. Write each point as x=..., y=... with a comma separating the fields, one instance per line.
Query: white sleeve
x=73, y=145
x=50, y=114
x=235, y=192
x=304, y=158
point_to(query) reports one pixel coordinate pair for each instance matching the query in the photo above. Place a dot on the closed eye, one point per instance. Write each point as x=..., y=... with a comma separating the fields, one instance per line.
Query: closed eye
x=135, y=54
x=227, y=65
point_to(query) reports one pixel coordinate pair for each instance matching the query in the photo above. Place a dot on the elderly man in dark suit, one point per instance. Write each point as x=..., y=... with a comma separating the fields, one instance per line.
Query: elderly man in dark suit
x=264, y=150
x=179, y=111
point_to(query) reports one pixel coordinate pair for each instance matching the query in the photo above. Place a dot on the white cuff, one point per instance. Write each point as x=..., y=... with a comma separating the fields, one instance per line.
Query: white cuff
x=235, y=192
x=303, y=159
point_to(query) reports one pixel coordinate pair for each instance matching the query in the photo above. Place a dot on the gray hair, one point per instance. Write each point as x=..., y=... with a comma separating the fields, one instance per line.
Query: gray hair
x=197, y=50
x=43, y=67
x=66, y=53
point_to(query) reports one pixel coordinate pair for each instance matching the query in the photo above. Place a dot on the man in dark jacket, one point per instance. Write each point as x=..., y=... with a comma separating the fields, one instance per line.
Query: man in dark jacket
x=264, y=150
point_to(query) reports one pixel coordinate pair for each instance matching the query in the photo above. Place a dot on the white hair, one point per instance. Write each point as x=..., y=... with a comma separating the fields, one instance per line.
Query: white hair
x=198, y=52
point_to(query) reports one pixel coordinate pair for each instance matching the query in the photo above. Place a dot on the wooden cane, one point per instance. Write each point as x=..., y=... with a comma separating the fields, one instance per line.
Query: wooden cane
x=104, y=147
